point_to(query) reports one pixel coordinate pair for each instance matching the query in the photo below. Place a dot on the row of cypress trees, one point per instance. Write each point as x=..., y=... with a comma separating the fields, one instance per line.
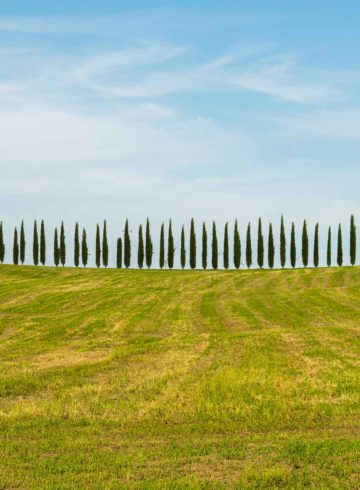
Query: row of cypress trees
x=145, y=249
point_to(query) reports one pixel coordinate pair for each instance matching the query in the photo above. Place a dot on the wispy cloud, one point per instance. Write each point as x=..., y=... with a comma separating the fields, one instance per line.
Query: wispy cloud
x=107, y=62
x=142, y=68
x=279, y=81
x=228, y=73
x=339, y=123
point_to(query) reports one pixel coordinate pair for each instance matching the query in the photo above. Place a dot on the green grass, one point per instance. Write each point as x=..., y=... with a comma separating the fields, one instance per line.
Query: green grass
x=149, y=379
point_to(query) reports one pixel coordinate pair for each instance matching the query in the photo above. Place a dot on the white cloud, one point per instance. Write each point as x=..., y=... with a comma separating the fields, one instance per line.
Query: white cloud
x=339, y=123
x=147, y=138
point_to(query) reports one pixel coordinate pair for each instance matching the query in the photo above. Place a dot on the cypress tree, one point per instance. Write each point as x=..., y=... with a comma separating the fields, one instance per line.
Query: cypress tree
x=148, y=245
x=192, y=245
x=77, y=246
x=328, y=250
x=305, y=245
x=62, y=245
x=316, y=245
x=119, y=253
x=171, y=247
x=214, y=248
x=97, y=247
x=84, y=249
x=237, y=246
x=339, y=248
x=140, y=249
x=127, y=246
x=2, y=244
x=226, y=247
x=16, y=248
x=56, y=248
x=271, y=247
x=282, y=243
x=204, y=247
x=22, y=243
x=293, y=247
x=35, y=245
x=105, y=246
x=162, y=247
x=260, y=246
x=352, y=240
x=248, y=247
x=182, y=248
x=42, y=243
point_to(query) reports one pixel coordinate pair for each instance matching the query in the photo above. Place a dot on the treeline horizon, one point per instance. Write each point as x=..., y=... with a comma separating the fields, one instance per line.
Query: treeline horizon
x=262, y=253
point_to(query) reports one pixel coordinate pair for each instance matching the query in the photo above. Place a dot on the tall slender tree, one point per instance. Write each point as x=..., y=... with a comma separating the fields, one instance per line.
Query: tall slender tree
x=127, y=246
x=204, y=247
x=293, y=246
x=237, y=246
x=148, y=245
x=339, y=248
x=42, y=243
x=260, y=246
x=35, y=245
x=16, y=247
x=162, y=247
x=214, y=248
x=56, y=248
x=62, y=245
x=182, y=249
x=84, y=249
x=2, y=244
x=97, y=247
x=119, y=253
x=22, y=243
x=305, y=245
x=171, y=247
x=226, y=246
x=352, y=240
x=316, y=245
x=328, y=249
x=271, y=247
x=248, y=247
x=282, y=243
x=77, y=246
x=105, y=246
x=192, y=245
x=141, y=252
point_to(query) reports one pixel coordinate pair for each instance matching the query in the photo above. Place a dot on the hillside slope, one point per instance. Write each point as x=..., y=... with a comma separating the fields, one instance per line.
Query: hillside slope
x=150, y=379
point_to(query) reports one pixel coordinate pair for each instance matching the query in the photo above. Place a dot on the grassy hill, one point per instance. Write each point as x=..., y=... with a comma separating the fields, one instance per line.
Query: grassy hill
x=149, y=379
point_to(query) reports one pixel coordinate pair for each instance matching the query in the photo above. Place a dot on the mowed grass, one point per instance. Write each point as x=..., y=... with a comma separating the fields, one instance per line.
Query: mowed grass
x=179, y=379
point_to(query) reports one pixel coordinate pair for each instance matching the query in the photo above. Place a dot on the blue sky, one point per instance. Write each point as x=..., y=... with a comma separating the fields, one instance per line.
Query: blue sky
x=217, y=110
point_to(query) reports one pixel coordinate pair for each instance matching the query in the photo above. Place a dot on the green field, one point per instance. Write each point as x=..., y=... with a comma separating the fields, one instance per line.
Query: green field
x=150, y=379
